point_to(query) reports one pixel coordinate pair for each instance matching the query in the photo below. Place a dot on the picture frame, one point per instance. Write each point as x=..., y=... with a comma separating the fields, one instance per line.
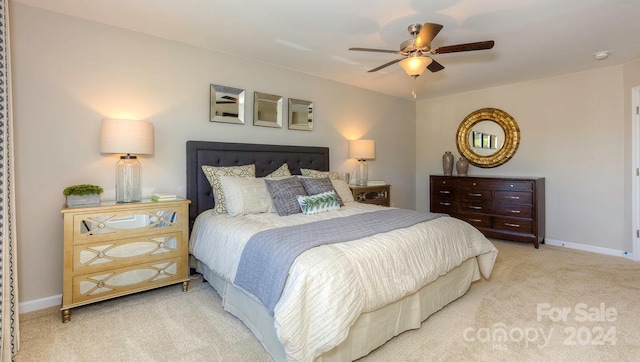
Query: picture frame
x=301, y=114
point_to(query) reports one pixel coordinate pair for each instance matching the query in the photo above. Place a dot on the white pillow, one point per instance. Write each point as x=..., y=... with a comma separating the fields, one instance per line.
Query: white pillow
x=213, y=175
x=343, y=190
x=246, y=195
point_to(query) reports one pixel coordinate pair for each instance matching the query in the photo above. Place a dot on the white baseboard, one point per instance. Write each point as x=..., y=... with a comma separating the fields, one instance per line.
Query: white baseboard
x=42, y=303
x=593, y=249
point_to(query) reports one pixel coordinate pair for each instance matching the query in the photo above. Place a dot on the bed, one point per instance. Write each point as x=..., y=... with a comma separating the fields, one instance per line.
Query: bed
x=368, y=295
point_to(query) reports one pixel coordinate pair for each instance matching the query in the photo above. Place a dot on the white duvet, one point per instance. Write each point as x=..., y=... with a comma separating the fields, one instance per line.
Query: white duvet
x=331, y=285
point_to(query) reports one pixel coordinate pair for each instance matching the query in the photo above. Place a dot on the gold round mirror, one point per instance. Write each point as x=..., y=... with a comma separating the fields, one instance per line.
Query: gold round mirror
x=488, y=137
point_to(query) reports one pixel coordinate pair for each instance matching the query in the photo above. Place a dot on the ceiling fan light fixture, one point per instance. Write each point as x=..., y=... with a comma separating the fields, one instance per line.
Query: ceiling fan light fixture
x=415, y=65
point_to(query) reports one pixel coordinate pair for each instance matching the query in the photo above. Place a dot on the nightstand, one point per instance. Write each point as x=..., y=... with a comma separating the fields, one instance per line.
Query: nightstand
x=111, y=250
x=378, y=195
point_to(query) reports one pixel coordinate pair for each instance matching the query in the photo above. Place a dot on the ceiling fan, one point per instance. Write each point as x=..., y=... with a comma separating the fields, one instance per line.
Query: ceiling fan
x=416, y=51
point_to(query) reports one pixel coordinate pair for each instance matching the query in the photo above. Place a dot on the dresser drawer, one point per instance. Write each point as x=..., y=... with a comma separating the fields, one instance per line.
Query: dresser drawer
x=477, y=184
x=119, y=253
x=444, y=205
x=444, y=191
x=93, y=227
x=122, y=280
x=518, y=225
x=515, y=210
x=470, y=206
x=476, y=220
x=476, y=195
x=514, y=197
x=444, y=181
x=514, y=186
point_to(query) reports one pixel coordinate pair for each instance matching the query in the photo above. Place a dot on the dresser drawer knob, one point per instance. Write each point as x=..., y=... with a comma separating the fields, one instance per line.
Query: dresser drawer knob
x=100, y=284
x=475, y=220
x=512, y=225
x=475, y=207
x=445, y=203
x=101, y=225
x=515, y=211
x=161, y=245
x=514, y=197
x=445, y=192
x=476, y=195
x=101, y=254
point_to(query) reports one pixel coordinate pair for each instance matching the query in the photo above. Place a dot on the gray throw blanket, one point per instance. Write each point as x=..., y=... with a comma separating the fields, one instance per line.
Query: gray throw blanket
x=268, y=255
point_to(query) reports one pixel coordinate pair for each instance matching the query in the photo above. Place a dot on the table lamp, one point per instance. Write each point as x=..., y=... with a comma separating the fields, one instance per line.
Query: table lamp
x=132, y=138
x=362, y=150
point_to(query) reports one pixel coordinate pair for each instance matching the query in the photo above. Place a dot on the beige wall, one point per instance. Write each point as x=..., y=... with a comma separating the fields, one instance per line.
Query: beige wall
x=69, y=74
x=572, y=133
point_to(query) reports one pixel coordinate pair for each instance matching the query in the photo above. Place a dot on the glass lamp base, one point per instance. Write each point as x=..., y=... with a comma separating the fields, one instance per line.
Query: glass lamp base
x=128, y=179
x=362, y=173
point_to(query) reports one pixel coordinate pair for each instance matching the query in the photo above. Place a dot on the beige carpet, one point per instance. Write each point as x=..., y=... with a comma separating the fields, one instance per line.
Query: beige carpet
x=495, y=320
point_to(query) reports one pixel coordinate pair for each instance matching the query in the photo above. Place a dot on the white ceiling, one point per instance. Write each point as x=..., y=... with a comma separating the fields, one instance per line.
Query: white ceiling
x=534, y=38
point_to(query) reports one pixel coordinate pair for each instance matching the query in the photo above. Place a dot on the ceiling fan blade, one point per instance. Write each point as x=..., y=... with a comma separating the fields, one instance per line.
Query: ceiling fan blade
x=481, y=45
x=375, y=50
x=435, y=66
x=426, y=35
x=385, y=65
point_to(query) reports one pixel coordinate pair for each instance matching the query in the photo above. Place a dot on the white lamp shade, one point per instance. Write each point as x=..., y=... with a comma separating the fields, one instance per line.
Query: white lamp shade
x=362, y=149
x=415, y=65
x=126, y=136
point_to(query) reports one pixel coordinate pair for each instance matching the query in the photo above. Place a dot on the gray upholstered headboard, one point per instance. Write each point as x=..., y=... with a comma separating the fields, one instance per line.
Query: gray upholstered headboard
x=267, y=159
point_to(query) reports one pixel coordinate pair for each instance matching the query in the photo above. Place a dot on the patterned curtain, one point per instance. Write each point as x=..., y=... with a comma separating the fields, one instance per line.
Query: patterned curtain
x=9, y=342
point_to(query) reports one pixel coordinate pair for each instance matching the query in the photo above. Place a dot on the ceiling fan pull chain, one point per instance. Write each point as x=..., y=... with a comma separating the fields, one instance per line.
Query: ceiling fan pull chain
x=413, y=92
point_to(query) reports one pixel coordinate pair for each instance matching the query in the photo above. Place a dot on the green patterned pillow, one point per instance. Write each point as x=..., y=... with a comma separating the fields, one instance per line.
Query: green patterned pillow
x=319, y=174
x=282, y=171
x=318, y=203
x=213, y=175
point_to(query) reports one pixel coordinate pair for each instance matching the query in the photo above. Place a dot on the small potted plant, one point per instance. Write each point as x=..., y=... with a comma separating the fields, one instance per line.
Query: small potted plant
x=83, y=195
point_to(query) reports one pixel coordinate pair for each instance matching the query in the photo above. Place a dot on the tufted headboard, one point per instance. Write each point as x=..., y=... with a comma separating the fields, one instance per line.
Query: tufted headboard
x=267, y=159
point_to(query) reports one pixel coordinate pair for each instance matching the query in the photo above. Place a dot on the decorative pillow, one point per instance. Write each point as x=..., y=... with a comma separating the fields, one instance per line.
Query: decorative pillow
x=283, y=193
x=316, y=186
x=213, y=175
x=282, y=171
x=316, y=204
x=318, y=174
x=343, y=191
x=245, y=195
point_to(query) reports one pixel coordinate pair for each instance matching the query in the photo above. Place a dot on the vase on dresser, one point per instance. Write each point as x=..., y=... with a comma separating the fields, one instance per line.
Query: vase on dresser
x=462, y=166
x=447, y=163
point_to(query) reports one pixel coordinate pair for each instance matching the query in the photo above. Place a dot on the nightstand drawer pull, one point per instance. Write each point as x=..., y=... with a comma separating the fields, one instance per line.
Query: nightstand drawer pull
x=514, y=197
x=445, y=203
x=445, y=192
x=515, y=211
x=476, y=195
x=512, y=225
x=475, y=220
x=476, y=207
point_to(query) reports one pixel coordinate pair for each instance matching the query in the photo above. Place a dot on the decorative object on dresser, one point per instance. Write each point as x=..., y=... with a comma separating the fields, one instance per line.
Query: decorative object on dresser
x=490, y=127
x=462, y=166
x=362, y=150
x=447, y=163
x=115, y=249
x=510, y=208
x=378, y=195
x=130, y=137
x=83, y=195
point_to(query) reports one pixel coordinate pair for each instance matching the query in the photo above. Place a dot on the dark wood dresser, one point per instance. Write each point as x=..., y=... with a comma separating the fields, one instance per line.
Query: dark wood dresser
x=509, y=208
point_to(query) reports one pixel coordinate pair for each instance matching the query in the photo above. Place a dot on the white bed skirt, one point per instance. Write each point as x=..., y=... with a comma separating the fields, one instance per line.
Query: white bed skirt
x=370, y=330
